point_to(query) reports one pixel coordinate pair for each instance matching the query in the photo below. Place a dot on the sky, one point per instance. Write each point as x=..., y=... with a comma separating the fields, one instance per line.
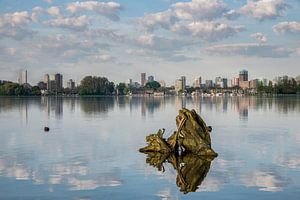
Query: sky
x=164, y=38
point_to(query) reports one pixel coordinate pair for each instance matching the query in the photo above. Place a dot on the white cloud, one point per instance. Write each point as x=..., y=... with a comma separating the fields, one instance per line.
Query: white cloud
x=207, y=30
x=14, y=25
x=103, y=57
x=36, y=12
x=260, y=37
x=231, y=15
x=158, y=20
x=73, y=23
x=54, y=11
x=107, y=9
x=291, y=27
x=265, y=9
x=249, y=49
x=199, y=9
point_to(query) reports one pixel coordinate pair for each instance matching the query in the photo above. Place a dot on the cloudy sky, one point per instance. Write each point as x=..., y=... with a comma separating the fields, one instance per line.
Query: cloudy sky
x=165, y=38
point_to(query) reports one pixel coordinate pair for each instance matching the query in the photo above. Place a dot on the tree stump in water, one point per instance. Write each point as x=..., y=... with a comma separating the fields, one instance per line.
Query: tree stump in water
x=192, y=136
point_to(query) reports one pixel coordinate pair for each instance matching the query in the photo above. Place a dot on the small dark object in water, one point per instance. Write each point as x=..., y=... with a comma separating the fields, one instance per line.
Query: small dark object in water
x=46, y=128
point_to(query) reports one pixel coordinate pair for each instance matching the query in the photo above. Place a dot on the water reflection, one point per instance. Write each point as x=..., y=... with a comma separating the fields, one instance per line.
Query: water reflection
x=150, y=105
x=191, y=169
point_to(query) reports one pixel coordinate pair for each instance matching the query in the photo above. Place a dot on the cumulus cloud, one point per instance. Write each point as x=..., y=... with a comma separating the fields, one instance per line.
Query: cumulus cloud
x=54, y=11
x=260, y=37
x=265, y=9
x=199, y=9
x=73, y=23
x=48, y=1
x=231, y=15
x=107, y=9
x=163, y=19
x=249, y=49
x=196, y=18
x=291, y=27
x=14, y=25
x=207, y=30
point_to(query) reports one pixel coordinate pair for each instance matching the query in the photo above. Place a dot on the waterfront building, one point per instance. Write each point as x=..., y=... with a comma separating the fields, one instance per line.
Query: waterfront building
x=150, y=78
x=143, y=79
x=59, y=82
x=197, y=82
x=129, y=82
x=183, y=82
x=22, y=78
x=236, y=81
x=243, y=75
x=71, y=84
x=209, y=84
x=229, y=83
x=244, y=84
x=253, y=83
x=47, y=80
x=178, y=85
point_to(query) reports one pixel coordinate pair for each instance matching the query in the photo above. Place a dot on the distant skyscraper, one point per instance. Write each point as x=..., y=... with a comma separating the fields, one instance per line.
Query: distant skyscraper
x=243, y=75
x=71, y=84
x=183, y=79
x=197, y=82
x=129, y=82
x=150, y=78
x=47, y=80
x=59, y=82
x=236, y=81
x=143, y=79
x=208, y=83
x=22, y=79
x=178, y=85
x=162, y=83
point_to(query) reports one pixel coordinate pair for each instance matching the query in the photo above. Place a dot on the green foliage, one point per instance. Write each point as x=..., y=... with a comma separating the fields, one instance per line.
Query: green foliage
x=152, y=85
x=14, y=89
x=122, y=89
x=96, y=86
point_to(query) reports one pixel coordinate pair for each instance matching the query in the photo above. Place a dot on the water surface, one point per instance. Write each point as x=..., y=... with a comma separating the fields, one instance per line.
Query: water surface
x=91, y=149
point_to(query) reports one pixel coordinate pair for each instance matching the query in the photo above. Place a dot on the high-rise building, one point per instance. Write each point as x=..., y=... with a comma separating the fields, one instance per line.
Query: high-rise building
x=59, y=82
x=150, y=78
x=47, y=80
x=143, y=79
x=236, y=81
x=71, y=84
x=197, y=82
x=129, y=82
x=243, y=75
x=253, y=83
x=183, y=79
x=208, y=83
x=178, y=85
x=22, y=79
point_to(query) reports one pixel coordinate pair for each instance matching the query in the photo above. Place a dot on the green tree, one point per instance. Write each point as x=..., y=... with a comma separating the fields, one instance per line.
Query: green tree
x=96, y=86
x=152, y=85
x=122, y=89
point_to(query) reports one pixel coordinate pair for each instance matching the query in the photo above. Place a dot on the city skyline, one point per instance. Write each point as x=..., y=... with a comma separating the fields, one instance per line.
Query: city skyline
x=163, y=38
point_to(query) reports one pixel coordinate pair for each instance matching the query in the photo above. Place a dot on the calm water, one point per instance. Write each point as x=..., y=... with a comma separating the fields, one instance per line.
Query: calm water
x=91, y=151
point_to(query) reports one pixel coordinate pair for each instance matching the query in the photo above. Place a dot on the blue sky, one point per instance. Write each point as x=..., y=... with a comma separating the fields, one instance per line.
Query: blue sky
x=164, y=38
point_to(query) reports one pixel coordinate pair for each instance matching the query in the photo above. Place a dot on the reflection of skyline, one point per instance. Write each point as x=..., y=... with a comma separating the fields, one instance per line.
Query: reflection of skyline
x=149, y=105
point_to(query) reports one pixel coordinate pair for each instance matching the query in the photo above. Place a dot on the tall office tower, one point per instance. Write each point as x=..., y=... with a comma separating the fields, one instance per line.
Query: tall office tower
x=59, y=82
x=178, y=85
x=197, y=82
x=150, y=78
x=143, y=79
x=183, y=79
x=47, y=80
x=208, y=83
x=71, y=84
x=22, y=79
x=236, y=81
x=243, y=75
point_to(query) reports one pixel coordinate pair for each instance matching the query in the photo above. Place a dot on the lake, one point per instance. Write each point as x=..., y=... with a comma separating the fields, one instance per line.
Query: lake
x=91, y=150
